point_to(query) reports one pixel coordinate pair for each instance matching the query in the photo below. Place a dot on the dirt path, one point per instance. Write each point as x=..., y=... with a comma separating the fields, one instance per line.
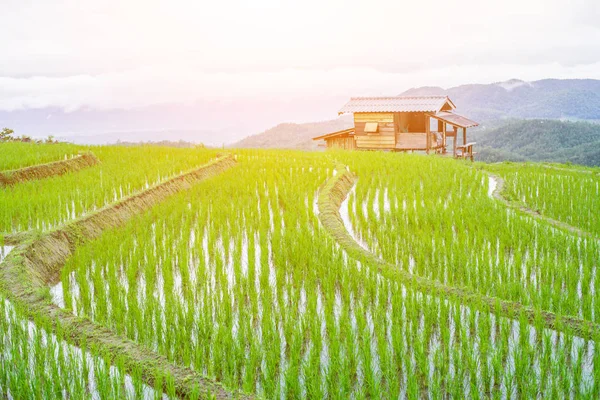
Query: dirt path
x=38, y=260
x=331, y=196
x=497, y=193
x=41, y=171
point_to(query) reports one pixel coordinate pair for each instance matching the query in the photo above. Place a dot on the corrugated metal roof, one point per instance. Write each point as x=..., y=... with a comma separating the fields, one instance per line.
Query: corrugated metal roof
x=396, y=104
x=454, y=119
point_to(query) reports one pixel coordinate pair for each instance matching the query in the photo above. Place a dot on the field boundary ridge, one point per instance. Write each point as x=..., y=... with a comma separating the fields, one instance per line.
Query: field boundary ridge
x=37, y=262
x=331, y=196
x=41, y=171
x=525, y=209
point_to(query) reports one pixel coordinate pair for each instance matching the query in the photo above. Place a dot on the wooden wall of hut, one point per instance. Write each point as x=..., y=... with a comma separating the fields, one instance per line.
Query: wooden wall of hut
x=344, y=142
x=385, y=138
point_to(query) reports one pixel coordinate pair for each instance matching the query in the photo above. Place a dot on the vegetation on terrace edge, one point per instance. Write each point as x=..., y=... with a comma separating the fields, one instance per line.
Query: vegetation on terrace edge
x=41, y=171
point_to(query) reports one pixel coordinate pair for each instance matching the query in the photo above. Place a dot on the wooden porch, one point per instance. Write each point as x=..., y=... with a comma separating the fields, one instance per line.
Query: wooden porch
x=448, y=126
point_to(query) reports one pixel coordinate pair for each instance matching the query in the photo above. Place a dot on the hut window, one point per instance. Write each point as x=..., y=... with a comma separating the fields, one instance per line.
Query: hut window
x=371, y=127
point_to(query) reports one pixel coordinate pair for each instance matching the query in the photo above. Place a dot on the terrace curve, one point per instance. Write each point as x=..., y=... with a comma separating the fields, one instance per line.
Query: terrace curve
x=41, y=171
x=523, y=208
x=38, y=260
x=331, y=196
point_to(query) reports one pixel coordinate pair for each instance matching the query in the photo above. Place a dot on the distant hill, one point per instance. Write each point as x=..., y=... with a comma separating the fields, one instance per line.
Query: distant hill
x=540, y=140
x=510, y=140
x=548, y=98
x=152, y=123
x=575, y=99
x=294, y=136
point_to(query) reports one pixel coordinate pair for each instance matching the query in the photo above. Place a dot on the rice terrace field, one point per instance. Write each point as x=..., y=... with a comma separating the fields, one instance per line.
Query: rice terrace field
x=154, y=272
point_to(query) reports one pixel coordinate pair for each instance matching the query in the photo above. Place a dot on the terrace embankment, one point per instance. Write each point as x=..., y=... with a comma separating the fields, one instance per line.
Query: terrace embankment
x=331, y=196
x=37, y=262
x=42, y=171
x=14, y=238
x=498, y=194
x=577, y=170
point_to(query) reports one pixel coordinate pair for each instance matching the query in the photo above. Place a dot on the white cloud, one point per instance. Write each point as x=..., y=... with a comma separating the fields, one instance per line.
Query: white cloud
x=115, y=54
x=147, y=86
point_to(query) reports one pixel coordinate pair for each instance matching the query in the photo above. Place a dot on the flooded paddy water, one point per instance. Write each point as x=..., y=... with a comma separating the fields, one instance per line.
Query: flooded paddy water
x=255, y=293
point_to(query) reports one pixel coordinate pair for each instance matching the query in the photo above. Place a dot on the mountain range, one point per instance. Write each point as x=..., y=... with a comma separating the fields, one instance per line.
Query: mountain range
x=548, y=98
x=490, y=104
x=218, y=123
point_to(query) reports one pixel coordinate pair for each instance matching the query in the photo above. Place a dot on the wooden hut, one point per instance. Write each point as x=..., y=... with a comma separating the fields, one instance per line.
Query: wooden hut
x=403, y=123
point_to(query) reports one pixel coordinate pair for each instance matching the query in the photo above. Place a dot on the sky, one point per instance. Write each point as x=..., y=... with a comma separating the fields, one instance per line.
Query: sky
x=125, y=54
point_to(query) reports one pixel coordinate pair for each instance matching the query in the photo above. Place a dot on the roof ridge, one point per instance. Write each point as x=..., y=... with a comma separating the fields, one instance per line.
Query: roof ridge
x=396, y=104
x=440, y=96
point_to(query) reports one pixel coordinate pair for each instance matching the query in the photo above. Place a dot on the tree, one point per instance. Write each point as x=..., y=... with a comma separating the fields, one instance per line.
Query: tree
x=5, y=134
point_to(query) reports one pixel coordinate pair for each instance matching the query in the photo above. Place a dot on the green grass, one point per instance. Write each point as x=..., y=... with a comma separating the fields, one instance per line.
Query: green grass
x=15, y=155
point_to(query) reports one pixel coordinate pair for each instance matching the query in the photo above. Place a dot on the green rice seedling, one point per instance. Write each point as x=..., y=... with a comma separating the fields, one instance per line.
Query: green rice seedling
x=238, y=279
x=37, y=364
x=16, y=155
x=567, y=194
x=122, y=171
x=451, y=230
